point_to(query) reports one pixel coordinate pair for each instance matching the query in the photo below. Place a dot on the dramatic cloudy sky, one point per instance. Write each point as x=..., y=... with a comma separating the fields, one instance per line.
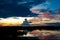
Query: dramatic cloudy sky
x=51, y=4
x=10, y=8
x=48, y=4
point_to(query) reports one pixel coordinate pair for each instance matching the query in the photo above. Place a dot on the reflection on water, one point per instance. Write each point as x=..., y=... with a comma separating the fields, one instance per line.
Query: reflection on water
x=43, y=34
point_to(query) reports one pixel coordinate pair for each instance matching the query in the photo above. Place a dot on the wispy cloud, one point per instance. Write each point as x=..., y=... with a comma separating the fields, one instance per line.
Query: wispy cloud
x=47, y=2
x=19, y=3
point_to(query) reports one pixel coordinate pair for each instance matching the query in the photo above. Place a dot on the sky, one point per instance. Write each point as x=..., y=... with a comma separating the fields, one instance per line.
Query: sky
x=21, y=8
x=49, y=4
x=54, y=4
x=10, y=8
